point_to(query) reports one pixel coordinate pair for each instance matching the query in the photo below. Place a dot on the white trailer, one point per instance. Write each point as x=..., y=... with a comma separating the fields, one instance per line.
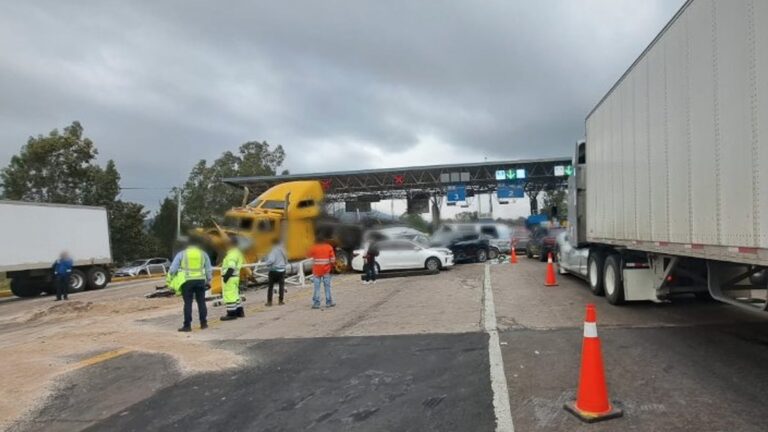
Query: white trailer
x=670, y=192
x=33, y=235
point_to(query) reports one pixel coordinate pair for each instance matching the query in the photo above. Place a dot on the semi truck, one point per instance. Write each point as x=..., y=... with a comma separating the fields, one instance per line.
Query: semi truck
x=291, y=212
x=670, y=187
x=34, y=234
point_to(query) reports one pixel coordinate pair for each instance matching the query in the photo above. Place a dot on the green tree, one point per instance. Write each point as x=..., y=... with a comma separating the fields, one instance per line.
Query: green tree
x=163, y=227
x=555, y=203
x=128, y=237
x=415, y=221
x=466, y=216
x=205, y=195
x=60, y=168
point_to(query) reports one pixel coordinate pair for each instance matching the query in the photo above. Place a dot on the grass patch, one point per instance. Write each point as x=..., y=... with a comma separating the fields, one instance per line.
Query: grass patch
x=5, y=283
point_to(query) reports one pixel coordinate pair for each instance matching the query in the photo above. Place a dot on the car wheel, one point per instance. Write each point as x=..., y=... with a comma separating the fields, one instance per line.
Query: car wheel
x=595, y=272
x=77, y=281
x=482, y=255
x=614, y=286
x=98, y=278
x=529, y=254
x=432, y=264
x=493, y=253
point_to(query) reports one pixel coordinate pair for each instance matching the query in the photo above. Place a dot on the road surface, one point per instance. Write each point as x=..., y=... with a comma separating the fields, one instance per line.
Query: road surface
x=404, y=354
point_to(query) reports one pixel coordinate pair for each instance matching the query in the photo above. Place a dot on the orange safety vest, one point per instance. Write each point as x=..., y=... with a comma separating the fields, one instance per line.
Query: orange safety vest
x=323, y=256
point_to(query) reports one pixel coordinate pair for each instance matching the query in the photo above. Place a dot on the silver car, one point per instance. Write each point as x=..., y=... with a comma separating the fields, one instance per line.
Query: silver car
x=146, y=266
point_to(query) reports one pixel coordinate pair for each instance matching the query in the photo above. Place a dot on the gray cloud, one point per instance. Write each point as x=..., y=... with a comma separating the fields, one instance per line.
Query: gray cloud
x=159, y=85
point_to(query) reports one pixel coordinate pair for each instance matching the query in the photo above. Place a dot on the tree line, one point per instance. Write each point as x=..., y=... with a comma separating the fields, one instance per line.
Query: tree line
x=61, y=168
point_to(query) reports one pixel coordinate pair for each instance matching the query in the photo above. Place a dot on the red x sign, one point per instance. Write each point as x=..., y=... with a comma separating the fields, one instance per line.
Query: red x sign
x=399, y=180
x=326, y=184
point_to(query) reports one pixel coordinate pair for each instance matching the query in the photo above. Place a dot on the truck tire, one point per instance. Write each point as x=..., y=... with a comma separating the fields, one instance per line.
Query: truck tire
x=528, y=253
x=97, y=278
x=23, y=287
x=77, y=281
x=614, y=286
x=343, y=262
x=595, y=273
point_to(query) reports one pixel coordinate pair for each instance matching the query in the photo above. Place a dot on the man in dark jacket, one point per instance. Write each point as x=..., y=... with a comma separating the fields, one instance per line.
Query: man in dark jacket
x=62, y=268
x=370, y=264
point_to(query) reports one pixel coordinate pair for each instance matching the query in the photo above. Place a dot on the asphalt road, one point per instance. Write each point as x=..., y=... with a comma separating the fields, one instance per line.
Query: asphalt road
x=411, y=354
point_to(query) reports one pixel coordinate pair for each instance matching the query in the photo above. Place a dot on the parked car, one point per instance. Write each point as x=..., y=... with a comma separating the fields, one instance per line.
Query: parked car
x=396, y=233
x=498, y=234
x=542, y=242
x=473, y=248
x=403, y=255
x=520, y=238
x=146, y=266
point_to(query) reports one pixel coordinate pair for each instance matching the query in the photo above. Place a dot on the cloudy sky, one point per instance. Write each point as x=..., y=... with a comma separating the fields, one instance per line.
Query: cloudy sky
x=341, y=85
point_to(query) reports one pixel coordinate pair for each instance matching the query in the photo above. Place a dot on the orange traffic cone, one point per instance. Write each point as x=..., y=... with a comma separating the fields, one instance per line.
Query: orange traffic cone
x=550, y=280
x=513, y=256
x=592, y=402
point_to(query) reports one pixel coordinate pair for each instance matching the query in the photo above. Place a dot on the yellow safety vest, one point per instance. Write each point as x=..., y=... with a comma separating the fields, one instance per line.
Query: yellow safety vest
x=231, y=290
x=192, y=268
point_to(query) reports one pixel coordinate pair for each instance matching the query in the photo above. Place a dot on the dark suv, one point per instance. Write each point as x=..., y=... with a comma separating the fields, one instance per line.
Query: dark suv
x=473, y=247
x=542, y=242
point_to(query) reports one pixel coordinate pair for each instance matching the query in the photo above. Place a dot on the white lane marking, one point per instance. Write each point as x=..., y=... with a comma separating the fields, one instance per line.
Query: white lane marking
x=498, y=378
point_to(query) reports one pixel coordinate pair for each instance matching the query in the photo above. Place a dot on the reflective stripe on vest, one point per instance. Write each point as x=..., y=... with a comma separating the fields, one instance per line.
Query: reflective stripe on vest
x=193, y=264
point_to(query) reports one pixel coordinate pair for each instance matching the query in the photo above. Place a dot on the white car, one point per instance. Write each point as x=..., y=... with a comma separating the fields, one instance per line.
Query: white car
x=405, y=254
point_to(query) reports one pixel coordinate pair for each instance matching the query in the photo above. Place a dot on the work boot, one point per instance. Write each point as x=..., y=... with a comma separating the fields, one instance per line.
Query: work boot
x=282, y=302
x=228, y=317
x=185, y=329
x=269, y=303
x=330, y=305
x=204, y=325
x=315, y=306
x=241, y=312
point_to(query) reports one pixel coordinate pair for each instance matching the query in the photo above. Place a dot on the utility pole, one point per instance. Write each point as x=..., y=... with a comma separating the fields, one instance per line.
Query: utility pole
x=178, y=214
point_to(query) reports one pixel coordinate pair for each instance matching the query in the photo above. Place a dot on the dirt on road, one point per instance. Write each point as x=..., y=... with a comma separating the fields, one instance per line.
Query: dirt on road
x=43, y=341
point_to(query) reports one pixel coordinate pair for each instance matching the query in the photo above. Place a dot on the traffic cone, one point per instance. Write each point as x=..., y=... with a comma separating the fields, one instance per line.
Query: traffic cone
x=513, y=256
x=550, y=280
x=592, y=402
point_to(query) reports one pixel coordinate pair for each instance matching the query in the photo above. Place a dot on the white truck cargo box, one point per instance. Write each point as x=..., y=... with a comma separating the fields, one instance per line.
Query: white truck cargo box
x=678, y=149
x=33, y=235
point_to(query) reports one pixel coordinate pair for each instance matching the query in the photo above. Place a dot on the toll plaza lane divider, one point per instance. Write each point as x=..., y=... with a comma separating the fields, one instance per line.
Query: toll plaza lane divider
x=498, y=377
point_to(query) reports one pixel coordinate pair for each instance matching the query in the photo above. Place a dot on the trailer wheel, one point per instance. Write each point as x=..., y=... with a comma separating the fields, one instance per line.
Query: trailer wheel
x=77, y=281
x=23, y=287
x=614, y=286
x=595, y=273
x=98, y=278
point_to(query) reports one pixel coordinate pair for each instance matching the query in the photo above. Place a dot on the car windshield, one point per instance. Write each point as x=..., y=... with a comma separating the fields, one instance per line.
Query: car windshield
x=268, y=204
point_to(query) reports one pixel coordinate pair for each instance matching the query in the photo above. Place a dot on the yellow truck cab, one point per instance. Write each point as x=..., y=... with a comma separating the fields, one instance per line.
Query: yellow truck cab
x=285, y=211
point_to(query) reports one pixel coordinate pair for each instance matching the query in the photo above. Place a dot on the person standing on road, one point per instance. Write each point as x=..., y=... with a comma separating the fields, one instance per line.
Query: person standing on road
x=230, y=268
x=277, y=261
x=370, y=264
x=191, y=271
x=62, y=268
x=323, y=258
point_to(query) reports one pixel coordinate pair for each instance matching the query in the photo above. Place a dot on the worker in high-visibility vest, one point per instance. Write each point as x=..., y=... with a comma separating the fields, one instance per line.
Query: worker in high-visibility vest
x=230, y=275
x=190, y=275
x=323, y=257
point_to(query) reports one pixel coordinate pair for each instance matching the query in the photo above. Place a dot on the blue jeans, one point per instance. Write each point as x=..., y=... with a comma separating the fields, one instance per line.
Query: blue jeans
x=326, y=280
x=194, y=290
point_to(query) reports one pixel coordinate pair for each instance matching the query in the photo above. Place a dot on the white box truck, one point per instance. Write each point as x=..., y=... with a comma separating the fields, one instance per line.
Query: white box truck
x=670, y=192
x=33, y=235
